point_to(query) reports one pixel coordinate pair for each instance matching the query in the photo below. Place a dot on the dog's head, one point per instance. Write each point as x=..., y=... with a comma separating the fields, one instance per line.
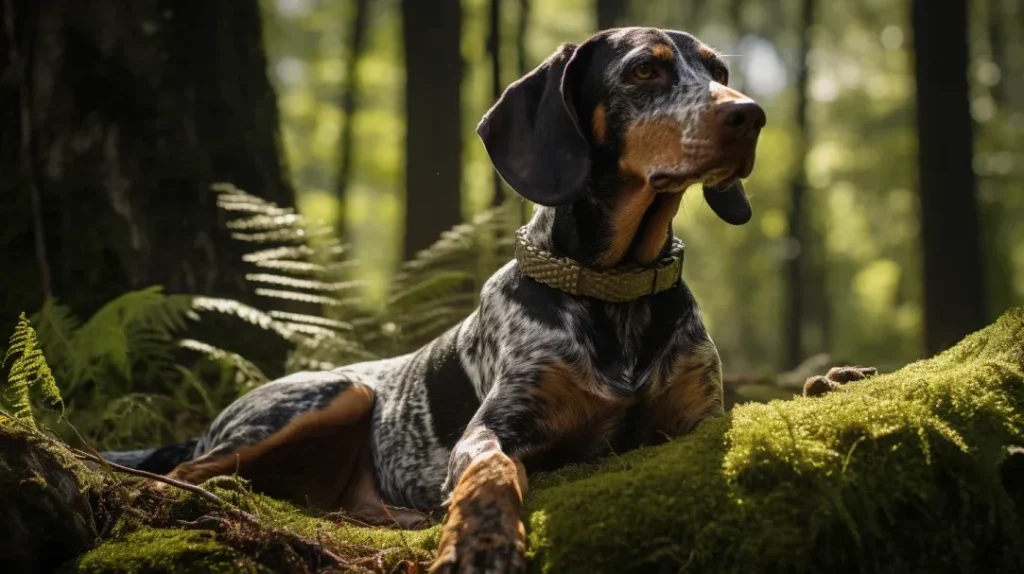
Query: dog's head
x=630, y=119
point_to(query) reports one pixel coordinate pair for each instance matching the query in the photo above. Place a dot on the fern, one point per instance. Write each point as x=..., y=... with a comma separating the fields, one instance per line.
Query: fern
x=131, y=337
x=28, y=371
x=437, y=288
x=440, y=286
x=251, y=376
x=306, y=276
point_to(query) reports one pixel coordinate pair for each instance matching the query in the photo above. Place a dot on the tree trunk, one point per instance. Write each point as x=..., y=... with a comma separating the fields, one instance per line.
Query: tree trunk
x=609, y=13
x=494, y=51
x=356, y=46
x=953, y=286
x=433, y=165
x=124, y=115
x=522, y=61
x=798, y=263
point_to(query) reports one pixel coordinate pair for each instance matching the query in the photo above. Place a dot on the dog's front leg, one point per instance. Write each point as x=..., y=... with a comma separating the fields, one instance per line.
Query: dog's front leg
x=483, y=533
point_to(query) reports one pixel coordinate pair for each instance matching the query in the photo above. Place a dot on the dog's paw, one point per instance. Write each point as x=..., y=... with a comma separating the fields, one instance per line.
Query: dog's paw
x=836, y=376
x=481, y=537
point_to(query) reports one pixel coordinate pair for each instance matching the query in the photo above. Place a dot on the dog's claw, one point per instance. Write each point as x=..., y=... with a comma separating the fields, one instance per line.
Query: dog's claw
x=496, y=558
x=836, y=377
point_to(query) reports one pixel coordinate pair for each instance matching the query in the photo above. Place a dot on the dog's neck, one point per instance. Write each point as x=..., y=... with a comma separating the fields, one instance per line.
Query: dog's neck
x=582, y=231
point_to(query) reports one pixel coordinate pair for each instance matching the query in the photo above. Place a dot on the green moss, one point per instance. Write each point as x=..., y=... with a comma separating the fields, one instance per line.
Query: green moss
x=153, y=550
x=899, y=473
x=147, y=540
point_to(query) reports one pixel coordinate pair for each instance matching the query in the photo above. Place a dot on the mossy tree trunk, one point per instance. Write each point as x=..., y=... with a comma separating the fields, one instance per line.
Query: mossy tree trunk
x=116, y=117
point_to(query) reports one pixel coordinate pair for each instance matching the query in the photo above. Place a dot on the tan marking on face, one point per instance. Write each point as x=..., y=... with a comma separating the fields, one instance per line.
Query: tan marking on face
x=484, y=512
x=654, y=144
x=706, y=52
x=664, y=52
x=319, y=459
x=724, y=94
x=599, y=124
x=692, y=393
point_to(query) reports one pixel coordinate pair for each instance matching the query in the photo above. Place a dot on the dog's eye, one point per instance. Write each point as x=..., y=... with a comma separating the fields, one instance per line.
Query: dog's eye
x=720, y=75
x=644, y=72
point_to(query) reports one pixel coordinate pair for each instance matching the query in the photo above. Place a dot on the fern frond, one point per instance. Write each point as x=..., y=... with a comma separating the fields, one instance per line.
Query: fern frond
x=287, y=317
x=286, y=235
x=28, y=371
x=56, y=326
x=263, y=222
x=244, y=312
x=301, y=297
x=250, y=372
x=275, y=253
x=136, y=327
x=289, y=266
x=308, y=284
x=440, y=286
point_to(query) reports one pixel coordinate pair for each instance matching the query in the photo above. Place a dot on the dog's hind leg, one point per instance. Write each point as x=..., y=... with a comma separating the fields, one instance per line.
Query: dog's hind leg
x=319, y=459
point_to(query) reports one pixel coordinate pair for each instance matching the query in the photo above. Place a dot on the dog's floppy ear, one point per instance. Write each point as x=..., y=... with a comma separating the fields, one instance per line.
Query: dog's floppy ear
x=532, y=133
x=730, y=204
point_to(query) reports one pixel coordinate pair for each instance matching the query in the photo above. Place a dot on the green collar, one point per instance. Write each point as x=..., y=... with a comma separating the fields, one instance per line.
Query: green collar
x=615, y=285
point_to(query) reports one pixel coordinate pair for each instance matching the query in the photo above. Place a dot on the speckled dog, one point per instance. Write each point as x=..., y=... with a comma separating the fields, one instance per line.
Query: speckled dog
x=587, y=343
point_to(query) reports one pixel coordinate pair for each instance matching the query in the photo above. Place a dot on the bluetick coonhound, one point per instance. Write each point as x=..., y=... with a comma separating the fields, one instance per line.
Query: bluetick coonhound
x=587, y=343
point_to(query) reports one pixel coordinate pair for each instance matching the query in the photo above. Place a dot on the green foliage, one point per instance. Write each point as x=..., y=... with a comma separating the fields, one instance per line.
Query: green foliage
x=129, y=337
x=328, y=319
x=123, y=372
x=163, y=551
x=441, y=285
x=28, y=371
x=151, y=542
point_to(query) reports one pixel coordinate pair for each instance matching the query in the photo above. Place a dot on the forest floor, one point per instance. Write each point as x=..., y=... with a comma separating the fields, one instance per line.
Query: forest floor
x=912, y=471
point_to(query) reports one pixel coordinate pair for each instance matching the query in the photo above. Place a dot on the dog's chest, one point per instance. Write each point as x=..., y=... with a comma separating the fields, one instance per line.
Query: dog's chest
x=629, y=347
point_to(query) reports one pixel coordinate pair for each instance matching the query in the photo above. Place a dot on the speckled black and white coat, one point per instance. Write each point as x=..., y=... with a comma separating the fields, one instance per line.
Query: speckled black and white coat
x=480, y=371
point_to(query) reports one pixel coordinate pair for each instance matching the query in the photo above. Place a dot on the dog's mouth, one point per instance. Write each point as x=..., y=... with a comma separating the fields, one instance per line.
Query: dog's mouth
x=718, y=175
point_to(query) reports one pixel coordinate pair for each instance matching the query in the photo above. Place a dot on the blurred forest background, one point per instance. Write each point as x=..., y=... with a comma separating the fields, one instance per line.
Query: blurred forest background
x=887, y=194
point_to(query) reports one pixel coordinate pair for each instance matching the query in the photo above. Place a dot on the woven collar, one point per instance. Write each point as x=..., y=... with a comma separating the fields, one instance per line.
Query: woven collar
x=616, y=285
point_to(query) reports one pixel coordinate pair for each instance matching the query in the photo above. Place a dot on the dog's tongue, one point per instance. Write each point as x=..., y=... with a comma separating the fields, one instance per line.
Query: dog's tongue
x=729, y=202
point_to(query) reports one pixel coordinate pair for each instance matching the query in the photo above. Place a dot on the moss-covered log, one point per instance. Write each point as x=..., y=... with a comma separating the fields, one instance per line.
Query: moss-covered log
x=45, y=512
x=907, y=472
x=900, y=473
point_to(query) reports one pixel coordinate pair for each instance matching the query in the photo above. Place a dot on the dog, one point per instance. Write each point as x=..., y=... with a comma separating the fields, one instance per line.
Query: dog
x=587, y=343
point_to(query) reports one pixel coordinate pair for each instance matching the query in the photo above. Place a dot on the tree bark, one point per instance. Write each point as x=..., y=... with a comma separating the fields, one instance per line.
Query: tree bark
x=132, y=110
x=494, y=51
x=522, y=61
x=433, y=170
x=350, y=93
x=798, y=263
x=609, y=13
x=953, y=285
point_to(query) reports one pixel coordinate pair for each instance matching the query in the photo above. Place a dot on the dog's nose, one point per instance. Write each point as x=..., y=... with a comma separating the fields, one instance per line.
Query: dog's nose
x=740, y=119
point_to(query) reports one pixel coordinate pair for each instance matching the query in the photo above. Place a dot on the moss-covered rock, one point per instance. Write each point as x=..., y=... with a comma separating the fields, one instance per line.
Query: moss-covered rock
x=904, y=472
x=45, y=512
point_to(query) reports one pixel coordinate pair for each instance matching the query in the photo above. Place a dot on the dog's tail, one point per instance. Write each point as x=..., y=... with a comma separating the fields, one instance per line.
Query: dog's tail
x=160, y=460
